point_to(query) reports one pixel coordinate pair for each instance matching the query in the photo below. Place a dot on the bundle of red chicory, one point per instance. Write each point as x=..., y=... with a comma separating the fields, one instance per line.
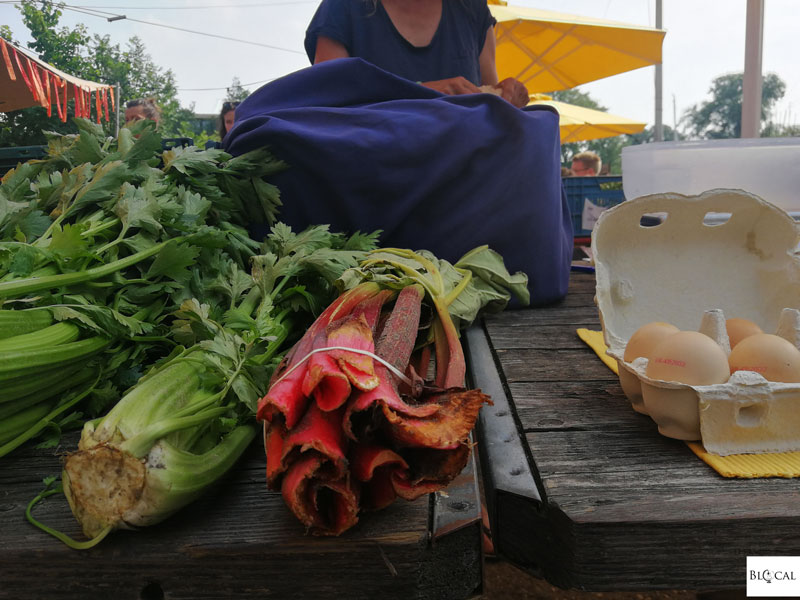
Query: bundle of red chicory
x=350, y=422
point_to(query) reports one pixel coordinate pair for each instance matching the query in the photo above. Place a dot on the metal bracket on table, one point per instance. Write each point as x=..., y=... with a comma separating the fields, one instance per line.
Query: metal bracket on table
x=504, y=463
x=459, y=504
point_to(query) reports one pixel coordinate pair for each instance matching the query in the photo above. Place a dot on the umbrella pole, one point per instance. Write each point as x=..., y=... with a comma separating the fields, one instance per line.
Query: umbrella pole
x=751, y=84
x=659, y=127
x=116, y=134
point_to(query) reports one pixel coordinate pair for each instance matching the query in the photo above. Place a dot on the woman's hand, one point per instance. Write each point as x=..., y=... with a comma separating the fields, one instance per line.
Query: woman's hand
x=452, y=86
x=514, y=91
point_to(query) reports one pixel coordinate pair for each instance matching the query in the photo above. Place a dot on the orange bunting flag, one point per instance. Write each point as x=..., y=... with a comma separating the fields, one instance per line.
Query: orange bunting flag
x=7, y=59
x=113, y=105
x=22, y=72
x=105, y=102
x=56, y=85
x=98, y=104
x=33, y=71
x=65, y=87
x=47, y=88
x=77, y=94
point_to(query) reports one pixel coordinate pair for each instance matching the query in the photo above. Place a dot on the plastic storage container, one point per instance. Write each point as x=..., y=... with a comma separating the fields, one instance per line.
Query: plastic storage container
x=588, y=197
x=766, y=167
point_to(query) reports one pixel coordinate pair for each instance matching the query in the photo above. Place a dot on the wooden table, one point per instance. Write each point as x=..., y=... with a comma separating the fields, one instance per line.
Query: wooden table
x=240, y=541
x=584, y=491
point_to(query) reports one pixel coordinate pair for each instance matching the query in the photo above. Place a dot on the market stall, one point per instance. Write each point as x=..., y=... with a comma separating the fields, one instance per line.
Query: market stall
x=27, y=81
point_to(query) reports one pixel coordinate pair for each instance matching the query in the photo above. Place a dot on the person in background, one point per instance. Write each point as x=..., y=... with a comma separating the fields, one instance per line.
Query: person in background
x=142, y=108
x=226, y=117
x=586, y=164
x=445, y=45
x=566, y=172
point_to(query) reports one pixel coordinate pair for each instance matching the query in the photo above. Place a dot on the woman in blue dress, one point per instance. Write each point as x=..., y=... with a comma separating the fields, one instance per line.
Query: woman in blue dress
x=446, y=45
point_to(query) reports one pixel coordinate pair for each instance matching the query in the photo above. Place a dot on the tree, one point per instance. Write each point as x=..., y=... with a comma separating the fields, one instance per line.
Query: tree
x=94, y=58
x=721, y=117
x=236, y=93
x=649, y=135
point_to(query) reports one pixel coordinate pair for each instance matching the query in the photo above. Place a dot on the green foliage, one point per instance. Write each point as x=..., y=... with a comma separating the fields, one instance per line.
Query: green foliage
x=95, y=58
x=721, y=117
x=236, y=93
x=114, y=235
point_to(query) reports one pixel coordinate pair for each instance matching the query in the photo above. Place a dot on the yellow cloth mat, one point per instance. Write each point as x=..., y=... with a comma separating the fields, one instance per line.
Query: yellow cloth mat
x=749, y=466
x=598, y=344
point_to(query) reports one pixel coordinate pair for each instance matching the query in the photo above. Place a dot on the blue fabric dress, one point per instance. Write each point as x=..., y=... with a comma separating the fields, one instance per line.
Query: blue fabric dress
x=368, y=32
x=368, y=150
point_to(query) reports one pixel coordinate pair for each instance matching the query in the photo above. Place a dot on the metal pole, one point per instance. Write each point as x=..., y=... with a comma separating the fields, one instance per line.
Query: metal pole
x=659, y=127
x=674, y=120
x=119, y=101
x=751, y=84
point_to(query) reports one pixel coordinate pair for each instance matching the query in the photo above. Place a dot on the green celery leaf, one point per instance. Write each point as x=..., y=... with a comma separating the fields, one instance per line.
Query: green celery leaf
x=103, y=320
x=105, y=183
x=138, y=209
x=283, y=241
x=140, y=241
x=364, y=242
x=87, y=148
x=192, y=160
x=233, y=282
x=145, y=148
x=331, y=264
x=23, y=261
x=247, y=392
x=174, y=261
x=33, y=224
x=67, y=242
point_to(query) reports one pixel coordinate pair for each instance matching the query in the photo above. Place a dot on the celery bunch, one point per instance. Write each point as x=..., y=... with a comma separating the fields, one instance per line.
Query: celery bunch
x=109, y=237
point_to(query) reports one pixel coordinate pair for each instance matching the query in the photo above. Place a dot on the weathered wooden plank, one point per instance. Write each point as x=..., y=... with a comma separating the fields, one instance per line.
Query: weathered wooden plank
x=559, y=314
x=239, y=540
x=568, y=405
x=699, y=555
x=536, y=335
x=618, y=506
x=533, y=364
x=596, y=471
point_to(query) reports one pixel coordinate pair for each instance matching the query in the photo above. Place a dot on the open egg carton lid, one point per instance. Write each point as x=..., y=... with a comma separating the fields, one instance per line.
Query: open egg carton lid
x=722, y=254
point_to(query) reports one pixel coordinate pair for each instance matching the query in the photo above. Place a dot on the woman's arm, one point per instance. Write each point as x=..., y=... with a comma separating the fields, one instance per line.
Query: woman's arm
x=486, y=60
x=328, y=49
x=511, y=89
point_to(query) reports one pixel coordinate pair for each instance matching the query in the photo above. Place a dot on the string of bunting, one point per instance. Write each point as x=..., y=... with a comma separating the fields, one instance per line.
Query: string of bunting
x=39, y=80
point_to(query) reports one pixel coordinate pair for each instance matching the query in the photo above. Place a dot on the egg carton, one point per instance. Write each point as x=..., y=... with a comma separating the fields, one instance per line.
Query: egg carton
x=722, y=254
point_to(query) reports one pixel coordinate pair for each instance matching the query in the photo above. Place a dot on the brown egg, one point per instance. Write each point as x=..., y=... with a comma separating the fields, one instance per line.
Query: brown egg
x=689, y=357
x=646, y=338
x=773, y=357
x=738, y=329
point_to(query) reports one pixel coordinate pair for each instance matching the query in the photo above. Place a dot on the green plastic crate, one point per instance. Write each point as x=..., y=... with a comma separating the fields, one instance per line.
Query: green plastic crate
x=11, y=157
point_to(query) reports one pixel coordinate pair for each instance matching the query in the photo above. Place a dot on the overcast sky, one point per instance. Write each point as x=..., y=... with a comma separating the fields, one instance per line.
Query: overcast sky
x=705, y=39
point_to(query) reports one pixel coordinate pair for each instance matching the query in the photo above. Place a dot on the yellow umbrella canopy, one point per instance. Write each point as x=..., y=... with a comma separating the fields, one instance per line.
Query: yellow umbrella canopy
x=550, y=51
x=578, y=123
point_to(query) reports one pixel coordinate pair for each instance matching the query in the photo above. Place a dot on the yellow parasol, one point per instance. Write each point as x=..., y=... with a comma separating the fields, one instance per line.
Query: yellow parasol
x=578, y=123
x=550, y=51
x=26, y=81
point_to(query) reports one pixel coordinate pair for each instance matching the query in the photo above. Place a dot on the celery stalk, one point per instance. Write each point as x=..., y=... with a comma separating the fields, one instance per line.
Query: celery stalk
x=143, y=461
